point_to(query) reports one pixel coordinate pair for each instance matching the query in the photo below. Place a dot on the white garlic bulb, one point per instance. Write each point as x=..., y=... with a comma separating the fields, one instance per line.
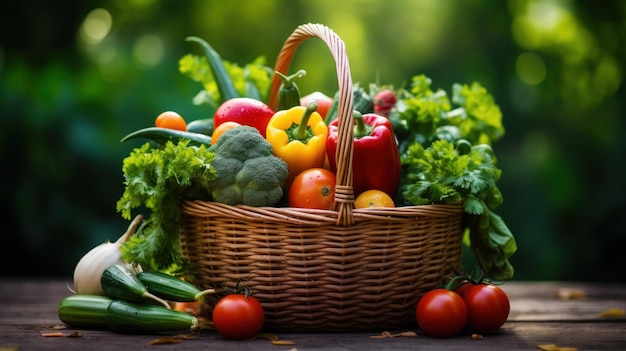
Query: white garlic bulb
x=89, y=269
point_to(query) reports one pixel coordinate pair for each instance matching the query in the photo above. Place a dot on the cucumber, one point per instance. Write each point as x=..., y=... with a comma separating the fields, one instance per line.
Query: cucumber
x=84, y=311
x=129, y=317
x=163, y=135
x=119, y=283
x=171, y=288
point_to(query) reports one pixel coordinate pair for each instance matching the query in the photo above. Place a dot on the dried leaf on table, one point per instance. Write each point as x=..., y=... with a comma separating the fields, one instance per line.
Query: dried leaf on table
x=283, y=342
x=187, y=336
x=553, y=347
x=386, y=335
x=165, y=341
x=55, y=327
x=612, y=312
x=570, y=294
x=52, y=335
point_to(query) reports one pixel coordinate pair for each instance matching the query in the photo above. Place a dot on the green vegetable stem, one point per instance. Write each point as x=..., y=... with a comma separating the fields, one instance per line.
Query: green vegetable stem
x=289, y=93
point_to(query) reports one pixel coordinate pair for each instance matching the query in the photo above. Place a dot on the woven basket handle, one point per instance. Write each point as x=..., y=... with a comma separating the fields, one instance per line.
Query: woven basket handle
x=344, y=192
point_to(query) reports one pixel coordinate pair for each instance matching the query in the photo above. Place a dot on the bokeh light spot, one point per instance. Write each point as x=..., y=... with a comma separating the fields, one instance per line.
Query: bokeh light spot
x=96, y=26
x=530, y=68
x=148, y=50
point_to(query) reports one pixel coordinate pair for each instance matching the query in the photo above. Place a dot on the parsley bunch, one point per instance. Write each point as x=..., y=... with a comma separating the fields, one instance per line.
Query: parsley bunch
x=450, y=173
x=445, y=146
x=156, y=178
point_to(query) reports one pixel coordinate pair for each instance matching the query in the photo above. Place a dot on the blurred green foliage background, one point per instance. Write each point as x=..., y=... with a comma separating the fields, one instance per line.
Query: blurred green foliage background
x=76, y=76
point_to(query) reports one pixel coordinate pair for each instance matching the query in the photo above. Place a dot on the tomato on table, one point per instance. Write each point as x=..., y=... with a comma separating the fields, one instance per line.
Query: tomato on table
x=238, y=316
x=313, y=188
x=170, y=120
x=441, y=313
x=488, y=307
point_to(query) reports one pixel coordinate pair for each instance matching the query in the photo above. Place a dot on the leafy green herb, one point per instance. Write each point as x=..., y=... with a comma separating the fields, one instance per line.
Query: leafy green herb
x=443, y=173
x=156, y=178
x=479, y=118
x=423, y=115
x=447, y=158
x=252, y=80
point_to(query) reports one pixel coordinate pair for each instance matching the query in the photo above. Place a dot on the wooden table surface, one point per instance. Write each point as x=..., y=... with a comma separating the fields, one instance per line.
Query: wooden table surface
x=541, y=314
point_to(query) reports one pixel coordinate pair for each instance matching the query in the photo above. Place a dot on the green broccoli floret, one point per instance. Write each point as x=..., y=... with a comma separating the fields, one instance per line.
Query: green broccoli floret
x=247, y=171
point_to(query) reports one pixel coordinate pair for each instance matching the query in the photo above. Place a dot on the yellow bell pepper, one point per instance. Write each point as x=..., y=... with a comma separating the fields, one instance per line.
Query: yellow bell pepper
x=298, y=136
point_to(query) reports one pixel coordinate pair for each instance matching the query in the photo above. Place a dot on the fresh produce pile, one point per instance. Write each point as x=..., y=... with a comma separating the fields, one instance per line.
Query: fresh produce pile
x=417, y=145
x=412, y=146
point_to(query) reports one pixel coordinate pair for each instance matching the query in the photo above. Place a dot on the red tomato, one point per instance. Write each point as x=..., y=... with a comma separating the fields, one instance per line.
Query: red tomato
x=236, y=316
x=323, y=102
x=441, y=313
x=488, y=308
x=313, y=188
x=245, y=111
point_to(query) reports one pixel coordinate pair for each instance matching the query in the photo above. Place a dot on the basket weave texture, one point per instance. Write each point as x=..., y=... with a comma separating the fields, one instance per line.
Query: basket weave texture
x=342, y=269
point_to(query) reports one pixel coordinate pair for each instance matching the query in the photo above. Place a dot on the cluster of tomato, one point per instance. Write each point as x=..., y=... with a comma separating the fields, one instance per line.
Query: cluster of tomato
x=311, y=188
x=476, y=308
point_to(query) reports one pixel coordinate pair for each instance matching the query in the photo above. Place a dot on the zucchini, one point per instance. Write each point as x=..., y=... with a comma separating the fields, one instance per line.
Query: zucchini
x=171, y=288
x=119, y=283
x=224, y=82
x=129, y=317
x=163, y=135
x=289, y=94
x=84, y=311
x=363, y=103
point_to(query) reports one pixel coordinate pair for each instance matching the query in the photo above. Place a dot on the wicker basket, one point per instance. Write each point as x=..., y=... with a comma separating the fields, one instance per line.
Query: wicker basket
x=342, y=269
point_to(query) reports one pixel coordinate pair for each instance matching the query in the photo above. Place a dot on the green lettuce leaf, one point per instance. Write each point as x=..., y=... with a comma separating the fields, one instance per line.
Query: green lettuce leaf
x=156, y=178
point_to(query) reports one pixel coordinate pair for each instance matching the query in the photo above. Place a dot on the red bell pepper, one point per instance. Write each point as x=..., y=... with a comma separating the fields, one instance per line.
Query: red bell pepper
x=376, y=160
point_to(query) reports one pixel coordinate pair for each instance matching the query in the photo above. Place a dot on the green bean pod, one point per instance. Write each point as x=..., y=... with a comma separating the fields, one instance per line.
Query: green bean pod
x=163, y=135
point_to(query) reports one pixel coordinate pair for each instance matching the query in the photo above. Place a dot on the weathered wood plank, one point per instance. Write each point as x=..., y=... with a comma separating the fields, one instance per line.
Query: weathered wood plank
x=546, y=301
x=513, y=336
x=27, y=308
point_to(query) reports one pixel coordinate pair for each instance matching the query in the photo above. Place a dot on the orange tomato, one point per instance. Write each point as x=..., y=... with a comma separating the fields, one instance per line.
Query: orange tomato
x=219, y=130
x=313, y=188
x=373, y=198
x=170, y=120
x=192, y=307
